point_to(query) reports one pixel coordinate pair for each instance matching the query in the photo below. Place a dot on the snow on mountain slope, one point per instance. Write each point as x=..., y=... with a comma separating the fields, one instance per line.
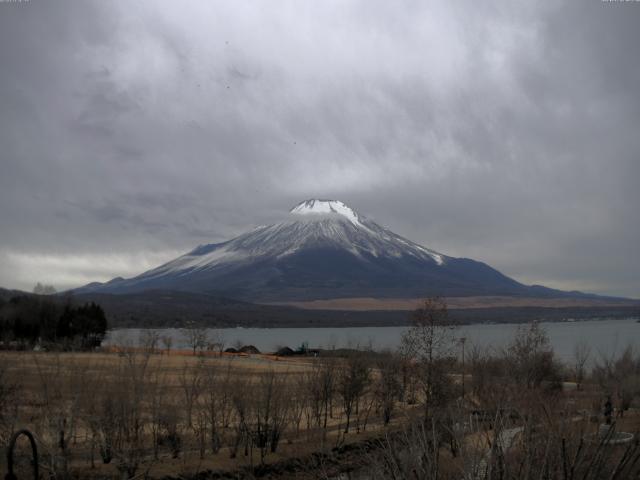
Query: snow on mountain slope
x=323, y=249
x=313, y=223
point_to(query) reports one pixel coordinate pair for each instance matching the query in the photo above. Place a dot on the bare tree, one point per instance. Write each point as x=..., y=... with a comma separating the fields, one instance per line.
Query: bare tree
x=627, y=374
x=353, y=378
x=62, y=389
x=531, y=356
x=125, y=415
x=300, y=396
x=491, y=378
x=269, y=413
x=217, y=342
x=430, y=343
x=620, y=376
x=388, y=385
x=313, y=387
x=157, y=407
x=172, y=436
x=191, y=385
x=167, y=342
x=9, y=390
x=241, y=401
x=215, y=401
x=195, y=336
x=320, y=384
x=581, y=353
x=149, y=340
x=555, y=450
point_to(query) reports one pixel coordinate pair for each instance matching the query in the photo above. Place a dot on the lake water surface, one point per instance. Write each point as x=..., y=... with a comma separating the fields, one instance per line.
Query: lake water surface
x=606, y=337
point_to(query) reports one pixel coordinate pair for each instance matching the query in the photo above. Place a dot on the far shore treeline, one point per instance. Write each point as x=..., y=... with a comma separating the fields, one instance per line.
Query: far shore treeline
x=51, y=322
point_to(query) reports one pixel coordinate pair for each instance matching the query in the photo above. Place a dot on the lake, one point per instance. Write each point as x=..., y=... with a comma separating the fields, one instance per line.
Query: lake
x=605, y=337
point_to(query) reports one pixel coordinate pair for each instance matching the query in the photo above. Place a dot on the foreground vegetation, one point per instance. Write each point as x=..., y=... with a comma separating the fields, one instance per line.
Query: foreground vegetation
x=426, y=411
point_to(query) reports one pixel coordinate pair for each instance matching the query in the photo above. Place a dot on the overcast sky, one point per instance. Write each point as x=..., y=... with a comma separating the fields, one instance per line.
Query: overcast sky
x=507, y=132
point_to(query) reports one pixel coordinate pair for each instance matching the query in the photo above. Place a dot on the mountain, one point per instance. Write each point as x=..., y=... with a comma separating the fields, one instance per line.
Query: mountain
x=323, y=249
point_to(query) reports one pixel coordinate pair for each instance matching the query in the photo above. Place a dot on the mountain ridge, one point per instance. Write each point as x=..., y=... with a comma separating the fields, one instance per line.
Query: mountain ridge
x=324, y=249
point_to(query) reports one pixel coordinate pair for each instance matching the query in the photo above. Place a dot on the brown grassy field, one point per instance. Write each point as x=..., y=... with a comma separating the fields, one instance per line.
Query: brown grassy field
x=72, y=395
x=145, y=413
x=409, y=304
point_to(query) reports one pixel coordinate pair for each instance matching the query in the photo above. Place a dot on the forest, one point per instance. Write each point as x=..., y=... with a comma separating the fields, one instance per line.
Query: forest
x=46, y=321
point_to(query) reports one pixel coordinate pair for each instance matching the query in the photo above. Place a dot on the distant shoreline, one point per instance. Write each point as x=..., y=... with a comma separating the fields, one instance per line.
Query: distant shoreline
x=473, y=302
x=297, y=318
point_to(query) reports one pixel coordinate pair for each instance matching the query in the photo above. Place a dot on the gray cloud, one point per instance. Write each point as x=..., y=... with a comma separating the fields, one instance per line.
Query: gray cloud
x=501, y=131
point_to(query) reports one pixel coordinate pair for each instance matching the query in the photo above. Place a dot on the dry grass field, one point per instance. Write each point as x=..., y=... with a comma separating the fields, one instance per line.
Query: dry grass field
x=410, y=304
x=177, y=414
x=148, y=413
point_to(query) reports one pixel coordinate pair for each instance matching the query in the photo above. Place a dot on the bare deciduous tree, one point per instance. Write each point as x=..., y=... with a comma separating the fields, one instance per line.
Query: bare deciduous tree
x=61, y=392
x=581, y=353
x=191, y=385
x=531, y=356
x=430, y=343
x=554, y=450
x=353, y=378
x=322, y=386
x=217, y=342
x=620, y=376
x=149, y=340
x=215, y=403
x=167, y=342
x=9, y=390
x=128, y=391
x=156, y=408
x=196, y=337
x=388, y=385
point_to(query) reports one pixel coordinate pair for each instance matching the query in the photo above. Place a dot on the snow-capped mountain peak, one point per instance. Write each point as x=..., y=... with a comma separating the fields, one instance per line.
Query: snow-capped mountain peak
x=327, y=207
x=323, y=249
